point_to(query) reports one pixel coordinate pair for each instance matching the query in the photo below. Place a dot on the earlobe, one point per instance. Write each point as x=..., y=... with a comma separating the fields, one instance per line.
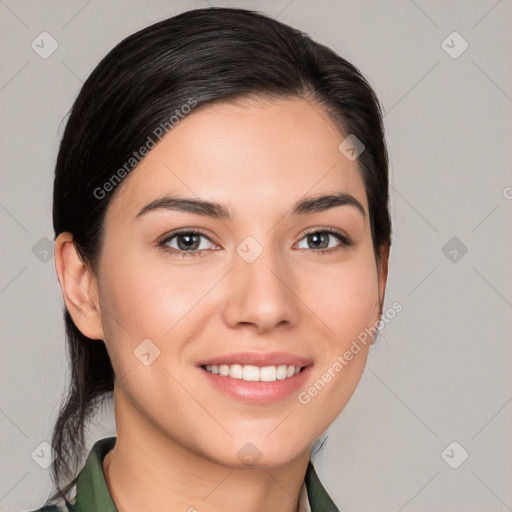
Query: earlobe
x=79, y=287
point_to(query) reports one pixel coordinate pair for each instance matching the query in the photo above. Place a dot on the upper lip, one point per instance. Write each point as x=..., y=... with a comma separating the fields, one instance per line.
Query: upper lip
x=258, y=359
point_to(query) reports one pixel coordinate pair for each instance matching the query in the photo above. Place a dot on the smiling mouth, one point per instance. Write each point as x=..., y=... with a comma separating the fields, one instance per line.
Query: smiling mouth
x=254, y=373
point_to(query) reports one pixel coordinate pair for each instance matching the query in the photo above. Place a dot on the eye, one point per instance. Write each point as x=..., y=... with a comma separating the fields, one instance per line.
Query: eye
x=186, y=243
x=320, y=239
x=190, y=242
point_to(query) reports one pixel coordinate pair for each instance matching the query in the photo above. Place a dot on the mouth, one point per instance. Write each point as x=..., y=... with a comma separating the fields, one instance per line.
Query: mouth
x=255, y=377
x=252, y=373
x=252, y=378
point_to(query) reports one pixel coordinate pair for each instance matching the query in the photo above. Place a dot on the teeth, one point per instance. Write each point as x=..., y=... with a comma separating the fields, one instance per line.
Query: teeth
x=254, y=373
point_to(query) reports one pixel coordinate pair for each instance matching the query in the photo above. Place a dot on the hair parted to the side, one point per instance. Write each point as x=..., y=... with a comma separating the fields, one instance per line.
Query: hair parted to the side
x=209, y=55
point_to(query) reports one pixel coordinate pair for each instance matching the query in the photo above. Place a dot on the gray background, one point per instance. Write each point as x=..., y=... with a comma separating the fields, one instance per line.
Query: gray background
x=440, y=373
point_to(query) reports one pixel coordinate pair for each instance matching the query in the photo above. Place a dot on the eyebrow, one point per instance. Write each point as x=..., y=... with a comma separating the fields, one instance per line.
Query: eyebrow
x=218, y=211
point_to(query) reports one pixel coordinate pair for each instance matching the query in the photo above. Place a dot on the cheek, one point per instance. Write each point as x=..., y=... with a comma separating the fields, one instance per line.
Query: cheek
x=146, y=300
x=140, y=305
x=344, y=296
x=347, y=305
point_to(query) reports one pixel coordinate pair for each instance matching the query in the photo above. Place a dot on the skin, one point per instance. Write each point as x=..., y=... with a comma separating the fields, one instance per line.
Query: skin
x=178, y=436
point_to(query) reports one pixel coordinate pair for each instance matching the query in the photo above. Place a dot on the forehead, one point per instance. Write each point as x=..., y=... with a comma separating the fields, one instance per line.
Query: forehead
x=245, y=154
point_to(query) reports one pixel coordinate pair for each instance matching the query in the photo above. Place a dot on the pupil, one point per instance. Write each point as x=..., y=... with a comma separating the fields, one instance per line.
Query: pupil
x=191, y=239
x=314, y=238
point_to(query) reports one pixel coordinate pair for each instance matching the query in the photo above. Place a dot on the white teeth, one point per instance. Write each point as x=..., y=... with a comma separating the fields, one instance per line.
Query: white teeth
x=281, y=372
x=236, y=371
x=251, y=373
x=268, y=373
x=254, y=373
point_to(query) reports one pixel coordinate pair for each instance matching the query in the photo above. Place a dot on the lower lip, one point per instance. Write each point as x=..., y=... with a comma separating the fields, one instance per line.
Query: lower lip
x=257, y=392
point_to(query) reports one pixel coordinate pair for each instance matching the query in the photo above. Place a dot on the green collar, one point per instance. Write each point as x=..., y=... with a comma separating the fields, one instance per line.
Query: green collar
x=92, y=493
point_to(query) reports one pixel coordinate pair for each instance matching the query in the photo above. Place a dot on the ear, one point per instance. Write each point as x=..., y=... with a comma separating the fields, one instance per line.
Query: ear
x=79, y=287
x=382, y=275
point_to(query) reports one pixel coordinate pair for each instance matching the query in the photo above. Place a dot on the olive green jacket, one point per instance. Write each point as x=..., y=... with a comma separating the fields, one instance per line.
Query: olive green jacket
x=93, y=495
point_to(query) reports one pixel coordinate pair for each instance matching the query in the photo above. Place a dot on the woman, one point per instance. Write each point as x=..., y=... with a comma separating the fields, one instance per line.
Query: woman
x=222, y=241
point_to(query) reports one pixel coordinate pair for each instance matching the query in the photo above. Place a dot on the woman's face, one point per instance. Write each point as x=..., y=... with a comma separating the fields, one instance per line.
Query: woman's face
x=260, y=280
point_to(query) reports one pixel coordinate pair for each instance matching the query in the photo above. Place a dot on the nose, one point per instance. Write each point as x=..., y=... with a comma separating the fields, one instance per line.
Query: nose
x=261, y=294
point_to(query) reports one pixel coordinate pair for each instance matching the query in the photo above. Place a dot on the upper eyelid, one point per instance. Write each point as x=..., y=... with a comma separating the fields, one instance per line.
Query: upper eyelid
x=196, y=231
x=327, y=229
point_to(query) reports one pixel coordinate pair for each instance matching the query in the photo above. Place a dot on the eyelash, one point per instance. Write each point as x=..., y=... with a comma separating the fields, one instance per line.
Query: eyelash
x=345, y=241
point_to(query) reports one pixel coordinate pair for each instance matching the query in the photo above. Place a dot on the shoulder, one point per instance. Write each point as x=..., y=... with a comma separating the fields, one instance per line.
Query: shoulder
x=319, y=499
